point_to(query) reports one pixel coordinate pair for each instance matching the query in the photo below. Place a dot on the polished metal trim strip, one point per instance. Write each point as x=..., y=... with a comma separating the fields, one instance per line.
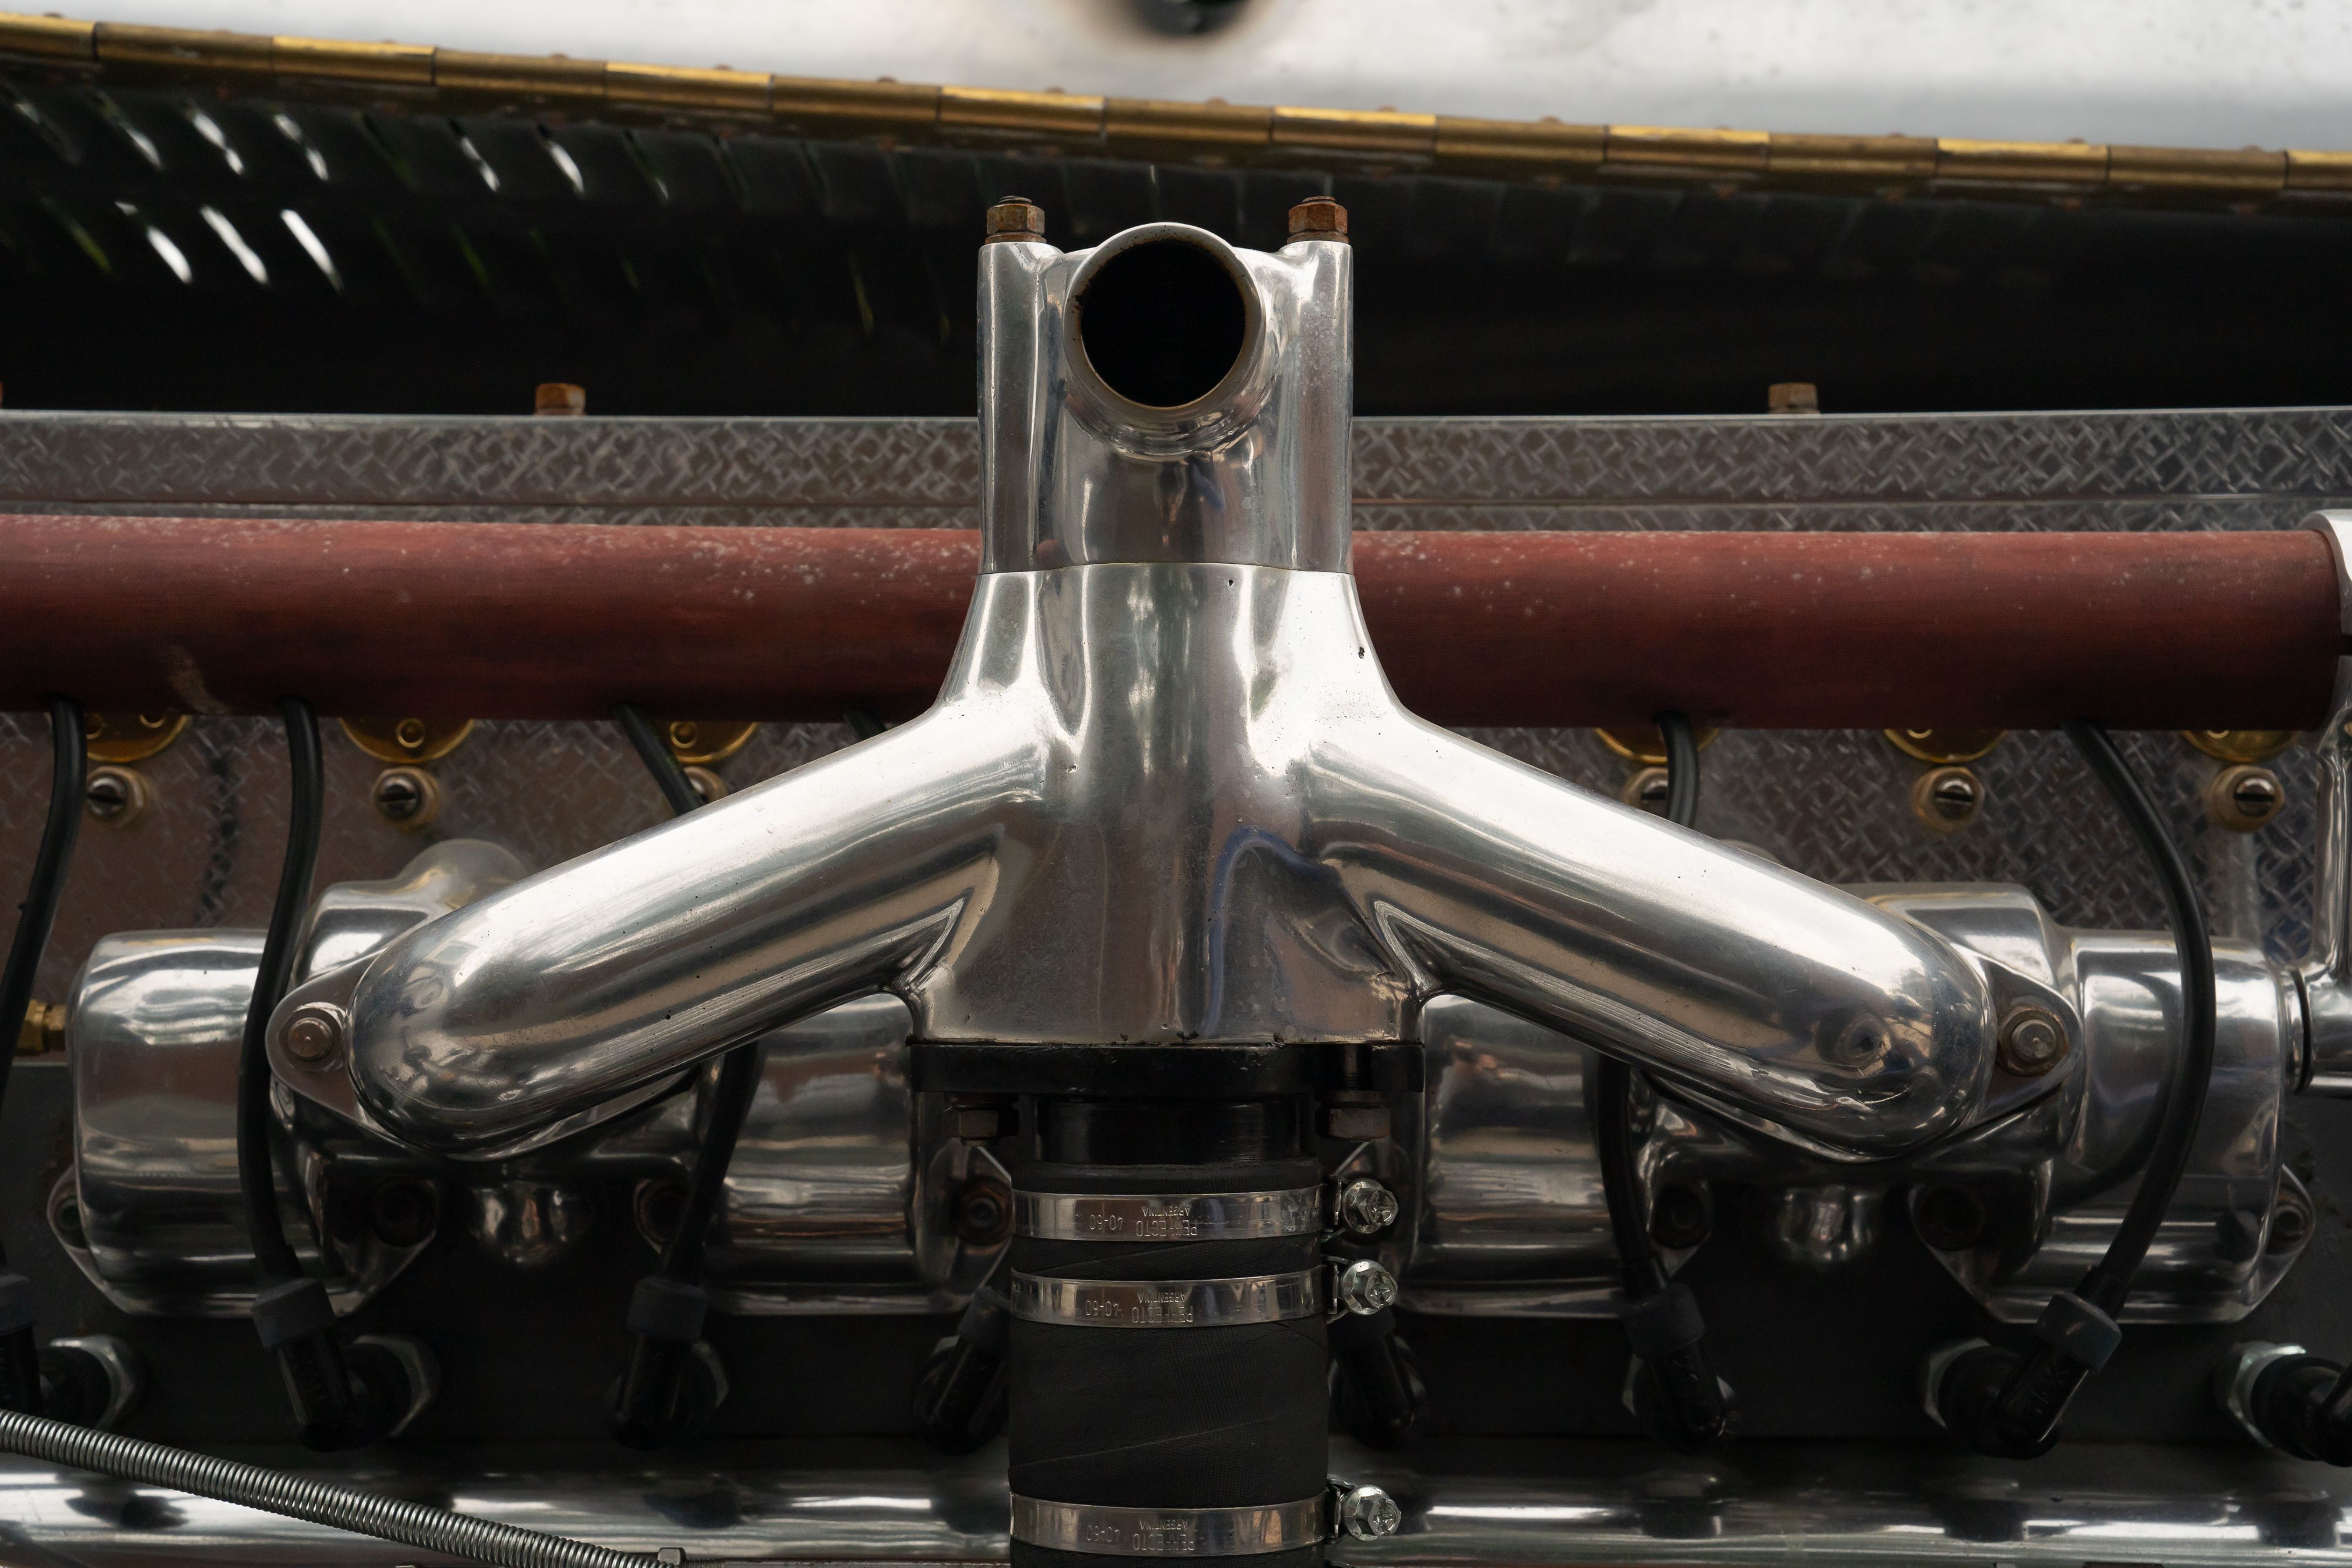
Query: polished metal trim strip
x=1169, y=1532
x=1168, y=1304
x=1167, y=1216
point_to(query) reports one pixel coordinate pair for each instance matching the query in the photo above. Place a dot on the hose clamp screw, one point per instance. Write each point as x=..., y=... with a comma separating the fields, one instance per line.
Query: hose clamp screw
x=2032, y=1042
x=1367, y=1513
x=1366, y=1207
x=1365, y=1288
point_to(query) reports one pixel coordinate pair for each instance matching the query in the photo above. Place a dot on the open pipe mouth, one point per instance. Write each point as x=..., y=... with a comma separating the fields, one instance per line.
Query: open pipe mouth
x=1162, y=322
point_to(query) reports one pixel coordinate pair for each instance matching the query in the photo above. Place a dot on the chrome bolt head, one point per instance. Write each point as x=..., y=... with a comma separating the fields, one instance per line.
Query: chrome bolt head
x=2032, y=1042
x=1366, y=1207
x=1368, y=1513
x=1366, y=1288
x=314, y=1033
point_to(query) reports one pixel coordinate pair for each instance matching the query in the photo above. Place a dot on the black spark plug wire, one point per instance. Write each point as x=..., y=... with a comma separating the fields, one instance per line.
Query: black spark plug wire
x=1676, y=1394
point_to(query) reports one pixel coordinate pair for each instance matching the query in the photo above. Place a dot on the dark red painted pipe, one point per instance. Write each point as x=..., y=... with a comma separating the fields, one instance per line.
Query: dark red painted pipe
x=1764, y=630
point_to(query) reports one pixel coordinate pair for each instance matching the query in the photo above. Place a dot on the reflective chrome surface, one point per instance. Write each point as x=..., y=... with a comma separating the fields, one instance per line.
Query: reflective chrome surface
x=1167, y=1216
x=1859, y=1505
x=1166, y=1305
x=1169, y=1532
x=1321, y=861
x=1254, y=471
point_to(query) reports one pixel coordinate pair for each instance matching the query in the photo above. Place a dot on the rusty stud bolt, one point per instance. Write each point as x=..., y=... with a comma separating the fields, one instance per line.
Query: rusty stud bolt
x=2245, y=797
x=1016, y=220
x=2032, y=1042
x=1793, y=397
x=408, y=798
x=314, y=1034
x=1318, y=217
x=1946, y=799
x=559, y=399
x=116, y=796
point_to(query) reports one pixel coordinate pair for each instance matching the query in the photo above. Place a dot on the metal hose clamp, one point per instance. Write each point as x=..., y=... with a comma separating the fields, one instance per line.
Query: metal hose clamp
x=1167, y=1216
x=1171, y=1532
x=1167, y=1304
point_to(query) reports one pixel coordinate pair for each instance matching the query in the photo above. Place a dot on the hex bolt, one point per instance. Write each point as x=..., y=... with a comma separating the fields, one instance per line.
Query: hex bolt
x=1016, y=220
x=1365, y=1288
x=404, y=1213
x=1366, y=1207
x=408, y=798
x=2032, y=1042
x=1318, y=217
x=116, y=796
x=1946, y=799
x=1368, y=1512
x=559, y=399
x=314, y=1033
x=2245, y=797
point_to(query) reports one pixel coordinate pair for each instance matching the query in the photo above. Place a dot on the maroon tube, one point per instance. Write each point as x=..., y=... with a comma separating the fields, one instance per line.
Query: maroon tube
x=1764, y=630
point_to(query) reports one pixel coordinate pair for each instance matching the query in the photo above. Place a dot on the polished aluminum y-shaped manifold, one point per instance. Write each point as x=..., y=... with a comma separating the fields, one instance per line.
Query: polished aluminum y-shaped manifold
x=1167, y=797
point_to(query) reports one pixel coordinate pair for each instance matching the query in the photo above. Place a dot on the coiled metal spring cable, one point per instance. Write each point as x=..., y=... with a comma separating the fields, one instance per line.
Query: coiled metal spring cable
x=299, y=1496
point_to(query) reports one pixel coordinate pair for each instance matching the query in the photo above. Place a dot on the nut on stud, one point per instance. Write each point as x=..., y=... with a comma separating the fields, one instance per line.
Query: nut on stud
x=1016, y=220
x=1366, y=1207
x=559, y=399
x=1367, y=1513
x=2032, y=1042
x=1365, y=1288
x=315, y=1034
x=1318, y=217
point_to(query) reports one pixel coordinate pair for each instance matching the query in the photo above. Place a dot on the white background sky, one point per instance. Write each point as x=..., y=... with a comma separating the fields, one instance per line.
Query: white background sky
x=2223, y=73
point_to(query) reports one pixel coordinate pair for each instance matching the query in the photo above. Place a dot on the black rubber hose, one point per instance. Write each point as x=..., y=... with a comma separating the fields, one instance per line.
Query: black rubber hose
x=2183, y=1102
x=38, y=913
x=274, y=1257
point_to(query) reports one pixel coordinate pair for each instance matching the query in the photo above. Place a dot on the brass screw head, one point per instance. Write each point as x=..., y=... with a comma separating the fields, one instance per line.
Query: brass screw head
x=1318, y=217
x=314, y=1033
x=2245, y=797
x=2032, y=1042
x=1016, y=220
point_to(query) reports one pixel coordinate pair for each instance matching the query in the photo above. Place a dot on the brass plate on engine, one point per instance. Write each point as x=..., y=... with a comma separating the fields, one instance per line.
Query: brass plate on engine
x=1643, y=744
x=1945, y=747
x=407, y=739
x=706, y=739
x=129, y=737
x=2241, y=745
